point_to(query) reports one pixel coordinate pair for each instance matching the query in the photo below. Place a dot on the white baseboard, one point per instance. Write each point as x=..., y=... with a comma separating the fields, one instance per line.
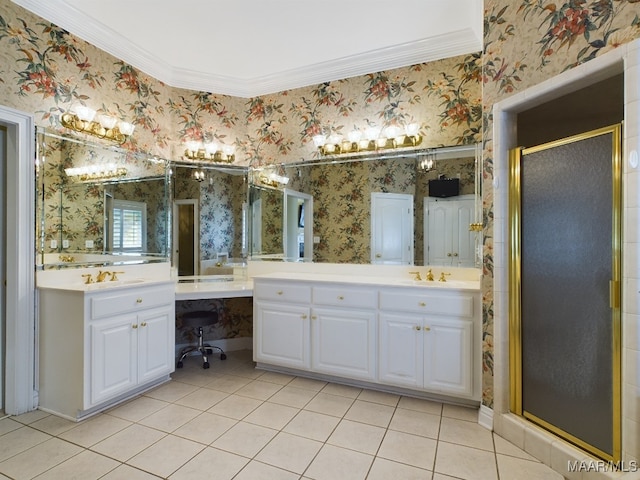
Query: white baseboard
x=485, y=417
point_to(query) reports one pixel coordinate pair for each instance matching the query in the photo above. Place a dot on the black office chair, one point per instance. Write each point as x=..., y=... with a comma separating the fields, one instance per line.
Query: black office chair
x=199, y=320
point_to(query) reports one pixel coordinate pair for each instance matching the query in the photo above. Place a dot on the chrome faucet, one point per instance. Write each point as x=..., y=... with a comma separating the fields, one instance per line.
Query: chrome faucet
x=101, y=276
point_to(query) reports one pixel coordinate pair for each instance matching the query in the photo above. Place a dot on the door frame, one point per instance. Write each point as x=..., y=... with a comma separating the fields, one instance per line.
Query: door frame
x=21, y=327
x=375, y=196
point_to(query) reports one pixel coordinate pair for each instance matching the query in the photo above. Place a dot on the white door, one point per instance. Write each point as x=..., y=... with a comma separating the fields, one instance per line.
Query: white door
x=392, y=228
x=448, y=356
x=282, y=335
x=155, y=344
x=113, y=357
x=401, y=350
x=448, y=240
x=343, y=342
x=464, y=238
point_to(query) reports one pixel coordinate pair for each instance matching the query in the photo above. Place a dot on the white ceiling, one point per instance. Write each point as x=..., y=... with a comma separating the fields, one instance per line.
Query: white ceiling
x=246, y=48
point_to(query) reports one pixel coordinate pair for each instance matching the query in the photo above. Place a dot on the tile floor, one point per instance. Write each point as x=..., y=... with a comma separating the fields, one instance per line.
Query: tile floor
x=235, y=422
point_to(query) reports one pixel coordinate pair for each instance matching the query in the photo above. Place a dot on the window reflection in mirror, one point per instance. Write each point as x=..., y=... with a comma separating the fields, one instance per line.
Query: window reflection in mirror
x=79, y=187
x=342, y=191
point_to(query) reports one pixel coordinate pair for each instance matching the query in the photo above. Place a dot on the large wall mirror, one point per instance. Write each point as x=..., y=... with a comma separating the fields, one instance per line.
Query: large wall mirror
x=417, y=208
x=209, y=218
x=99, y=204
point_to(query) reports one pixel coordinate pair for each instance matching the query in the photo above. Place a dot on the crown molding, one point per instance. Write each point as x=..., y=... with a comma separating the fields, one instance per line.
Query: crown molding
x=429, y=49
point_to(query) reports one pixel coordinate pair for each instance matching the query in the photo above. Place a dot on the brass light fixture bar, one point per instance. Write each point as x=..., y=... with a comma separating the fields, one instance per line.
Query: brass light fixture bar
x=393, y=137
x=210, y=151
x=96, y=172
x=107, y=127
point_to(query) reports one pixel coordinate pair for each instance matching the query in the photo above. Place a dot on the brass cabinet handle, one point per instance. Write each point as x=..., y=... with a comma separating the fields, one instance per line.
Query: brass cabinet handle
x=417, y=327
x=279, y=292
x=340, y=297
x=139, y=300
x=427, y=329
x=143, y=324
x=304, y=317
x=422, y=304
x=314, y=317
x=135, y=325
x=378, y=255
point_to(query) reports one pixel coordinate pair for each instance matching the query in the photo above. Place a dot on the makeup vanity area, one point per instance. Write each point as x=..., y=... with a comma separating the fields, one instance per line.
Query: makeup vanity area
x=107, y=314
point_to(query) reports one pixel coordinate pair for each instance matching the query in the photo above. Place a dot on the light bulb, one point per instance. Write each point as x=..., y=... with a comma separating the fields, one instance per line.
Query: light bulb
x=85, y=114
x=211, y=148
x=355, y=135
x=107, y=122
x=228, y=149
x=412, y=129
x=193, y=146
x=126, y=128
x=372, y=133
x=319, y=140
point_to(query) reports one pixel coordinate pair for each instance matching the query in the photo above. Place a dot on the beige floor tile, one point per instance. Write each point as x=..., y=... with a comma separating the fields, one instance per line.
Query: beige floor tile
x=87, y=465
x=289, y=452
x=259, y=390
x=126, y=472
x=171, y=391
x=202, y=399
x=8, y=425
x=39, y=459
x=53, y=425
x=383, y=398
x=129, y=442
x=293, y=397
x=507, y=448
x=371, y=413
x=272, y=415
x=235, y=406
x=170, y=418
x=410, y=449
x=30, y=417
x=248, y=371
x=166, y=456
x=245, y=439
x=228, y=383
x=342, y=390
x=205, y=428
x=137, y=409
x=307, y=384
x=418, y=423
x=333, y=463
x=275, y=377
x=257, y=470
x=420, y=405
x=94, y=430
x=329, y=404
x=211, y=463
x=466, y=433
x=465, y=462
x=19, y=440
x=383, y=469
x=520, y=469
x=316, y=426
x=193, y=376
x=460, y=412
x=441, y=476
x=357, y=436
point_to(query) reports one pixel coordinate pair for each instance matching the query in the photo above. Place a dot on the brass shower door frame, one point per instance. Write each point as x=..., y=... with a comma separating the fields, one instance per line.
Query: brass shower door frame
x=515, y=284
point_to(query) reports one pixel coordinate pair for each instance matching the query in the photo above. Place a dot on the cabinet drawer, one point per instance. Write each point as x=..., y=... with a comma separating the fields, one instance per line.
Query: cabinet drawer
x=130, y=300
x=427, y=303
x=283, y=291
x=344, y=297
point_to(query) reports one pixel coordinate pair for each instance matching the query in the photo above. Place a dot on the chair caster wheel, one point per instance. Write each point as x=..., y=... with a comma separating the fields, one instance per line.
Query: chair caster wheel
x=208, y=351
x=205, y=365
x=223, y=356
x=179, y=365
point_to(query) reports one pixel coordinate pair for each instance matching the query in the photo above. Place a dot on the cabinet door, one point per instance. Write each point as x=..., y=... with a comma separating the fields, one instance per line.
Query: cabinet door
x=448, y=356
x=113, y=362
x=155, y=343
x=343, y=342
x=401, y=350
x=281, y=334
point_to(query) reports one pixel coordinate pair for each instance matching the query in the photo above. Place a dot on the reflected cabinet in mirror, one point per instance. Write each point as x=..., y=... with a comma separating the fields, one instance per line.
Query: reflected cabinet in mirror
x=209, y=218
x=99, y=204
x=417, y=208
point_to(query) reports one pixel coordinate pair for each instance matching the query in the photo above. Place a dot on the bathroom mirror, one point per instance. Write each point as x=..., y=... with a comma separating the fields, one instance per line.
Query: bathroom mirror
x=99, y=204
x=209, y=218
x=347, y=193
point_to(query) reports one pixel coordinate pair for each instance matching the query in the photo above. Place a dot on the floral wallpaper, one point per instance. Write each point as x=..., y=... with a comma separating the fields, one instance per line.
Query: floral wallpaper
x=525, y=43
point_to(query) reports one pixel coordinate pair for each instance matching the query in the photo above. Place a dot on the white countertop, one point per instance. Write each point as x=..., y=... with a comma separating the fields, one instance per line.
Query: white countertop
x=196, y=289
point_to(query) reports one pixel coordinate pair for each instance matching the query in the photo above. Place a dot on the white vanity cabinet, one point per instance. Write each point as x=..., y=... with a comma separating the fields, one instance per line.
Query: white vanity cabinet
x=101, y=346
x=419, y=338
x=426, y=340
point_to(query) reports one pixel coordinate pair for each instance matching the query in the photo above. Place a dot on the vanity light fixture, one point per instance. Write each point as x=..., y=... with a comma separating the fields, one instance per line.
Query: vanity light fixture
x=83, y=120
x=210, y=151
x=427, y=161
x=273, y=179
x=199, y=175
x=372, y=139
x=96, y=172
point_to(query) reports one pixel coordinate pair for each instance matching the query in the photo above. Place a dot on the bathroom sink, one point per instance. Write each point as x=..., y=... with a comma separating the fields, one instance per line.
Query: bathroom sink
x=117, y=283
x=437, y=284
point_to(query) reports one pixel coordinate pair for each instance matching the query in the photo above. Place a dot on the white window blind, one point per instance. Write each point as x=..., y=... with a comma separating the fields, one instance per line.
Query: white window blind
x=129, y=226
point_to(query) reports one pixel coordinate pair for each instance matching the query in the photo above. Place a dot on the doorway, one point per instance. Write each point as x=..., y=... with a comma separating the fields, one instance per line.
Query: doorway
x=565, y=276
x=297, y=225
x=186, y=237
x=391, y=228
